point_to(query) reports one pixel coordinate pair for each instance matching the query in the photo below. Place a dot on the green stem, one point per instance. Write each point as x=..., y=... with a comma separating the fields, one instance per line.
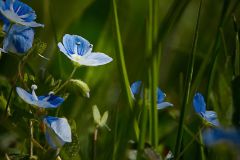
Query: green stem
x=31, y=137
x=95, y=143
x=190, y=143
x=142, y=138
x=201, y=146
x=66, y=82
x=122, y=68
x=237, y=54
x=188, y=87
x=12, y=88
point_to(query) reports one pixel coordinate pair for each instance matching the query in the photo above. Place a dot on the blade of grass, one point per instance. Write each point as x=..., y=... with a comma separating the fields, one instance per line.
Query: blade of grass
x=201, y=146
x=154, y=74
x=210, y=57
x=143, y=128
x=188, y=86
x=237, y=55
x=122, y=67
x=173, y=16
x=216, y=48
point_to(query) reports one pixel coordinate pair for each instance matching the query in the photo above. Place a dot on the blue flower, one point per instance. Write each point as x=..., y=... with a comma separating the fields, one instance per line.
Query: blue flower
x=79, y=50
x=57, y=132
x=19, y=39
x=215, y=136
x=46, y=101
x=200, y=107
x=136, y=87
x=18, y=12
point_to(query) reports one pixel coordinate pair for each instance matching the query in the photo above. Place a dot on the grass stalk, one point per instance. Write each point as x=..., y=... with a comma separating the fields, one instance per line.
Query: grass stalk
x=95, y=144
x=143, y=129
x=31, y=137
x=186, y=97
x=237, y=54
x=213, y=48
x=201, y=146
x=154, y=74
x=122, y=67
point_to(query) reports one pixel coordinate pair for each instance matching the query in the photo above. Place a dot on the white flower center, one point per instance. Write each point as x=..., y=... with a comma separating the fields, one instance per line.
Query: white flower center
x=49, y=95
x=34, y=87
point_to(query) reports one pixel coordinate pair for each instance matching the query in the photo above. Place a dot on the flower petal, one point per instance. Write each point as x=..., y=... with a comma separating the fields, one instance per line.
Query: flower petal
x=211, y=117
x=95, y=59
x=52, y=138
x=75, y=43
x=199, y=103
x=63, y=50
x=135, y=88
x=215, y=136
x=160, y=95
x=164, y=105
x=59, y=131
x=19, y=39
x=51, y=102
x=27, y=97
x=18, y=12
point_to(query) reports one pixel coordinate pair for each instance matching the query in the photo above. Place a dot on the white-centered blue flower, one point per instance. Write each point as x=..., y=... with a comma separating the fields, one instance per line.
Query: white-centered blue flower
x=18, y=12
x=19, y=39
x=79, y=50
x=46, y=101
x=135, y=90
x=57, y=131
x=200, y=107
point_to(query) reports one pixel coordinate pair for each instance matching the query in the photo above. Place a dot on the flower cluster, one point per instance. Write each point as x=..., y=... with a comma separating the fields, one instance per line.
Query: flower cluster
x=57, y=131
x=18, y=28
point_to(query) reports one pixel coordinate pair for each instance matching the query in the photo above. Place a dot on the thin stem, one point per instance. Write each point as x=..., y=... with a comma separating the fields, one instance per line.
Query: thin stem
x=142, y=138
x=31, y=137
x=19, y=75
x=188, y=86
x=95, y=143
x=11, y=91
x=66, y=82
x=201, y=146
x=7, y=157
x=190, y=143
x=122, y=68
x=237, y=54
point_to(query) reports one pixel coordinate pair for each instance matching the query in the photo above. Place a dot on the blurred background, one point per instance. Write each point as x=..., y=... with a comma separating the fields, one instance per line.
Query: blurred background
x=93, y=20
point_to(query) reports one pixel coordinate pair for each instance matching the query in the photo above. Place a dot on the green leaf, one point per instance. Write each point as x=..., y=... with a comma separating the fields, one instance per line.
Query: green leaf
x=96, y=115
x=104, y=119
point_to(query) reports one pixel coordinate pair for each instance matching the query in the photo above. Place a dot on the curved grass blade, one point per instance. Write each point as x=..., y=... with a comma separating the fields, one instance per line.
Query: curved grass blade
x=188, y=86
x=122, y=67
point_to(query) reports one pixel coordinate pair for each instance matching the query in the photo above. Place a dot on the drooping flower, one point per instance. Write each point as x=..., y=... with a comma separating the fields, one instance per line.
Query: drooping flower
x=136, y=87
x=57, y=132
x=79, y=50
x=214, y=136
x=46, y=101
x=15, y=11
x=19, y=39
x=200, y=108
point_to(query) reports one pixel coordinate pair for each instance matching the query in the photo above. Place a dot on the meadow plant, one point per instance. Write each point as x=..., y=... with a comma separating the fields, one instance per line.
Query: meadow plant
x=51, y=81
